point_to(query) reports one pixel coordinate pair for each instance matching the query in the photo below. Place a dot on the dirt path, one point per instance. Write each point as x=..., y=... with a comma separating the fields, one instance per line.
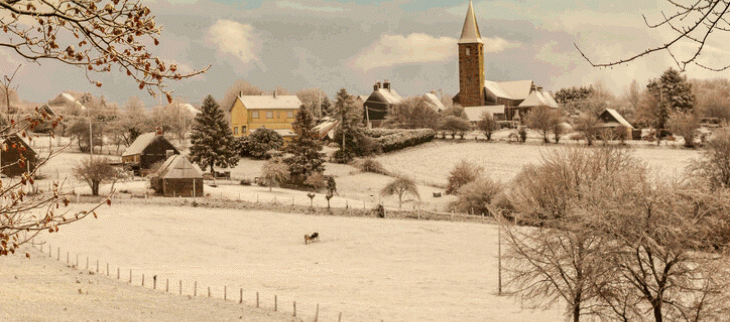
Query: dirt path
x=43, y=289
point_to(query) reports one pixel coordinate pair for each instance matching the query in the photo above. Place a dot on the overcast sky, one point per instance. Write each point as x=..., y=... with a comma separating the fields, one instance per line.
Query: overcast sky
x=300, y=44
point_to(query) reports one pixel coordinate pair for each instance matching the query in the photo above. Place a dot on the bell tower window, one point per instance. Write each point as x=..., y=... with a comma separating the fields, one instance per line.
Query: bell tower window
x=468, y=52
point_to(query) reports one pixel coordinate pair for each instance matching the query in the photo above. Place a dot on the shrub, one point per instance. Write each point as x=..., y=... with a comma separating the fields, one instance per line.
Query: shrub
x=463, y=173
x=476, y=196
x=684, y=124
x=522, y=131
x=370, y=165
x=713, y=167
x=316, y=181
x=455, y=125
x=401, y=139
x=245, y=182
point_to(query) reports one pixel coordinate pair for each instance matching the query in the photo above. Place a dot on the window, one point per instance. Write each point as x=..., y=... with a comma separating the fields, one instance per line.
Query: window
x=269, y=115
x=235, y=130
x=243, y=130
x=255, y=114
x=468, y=52
x=290, y=114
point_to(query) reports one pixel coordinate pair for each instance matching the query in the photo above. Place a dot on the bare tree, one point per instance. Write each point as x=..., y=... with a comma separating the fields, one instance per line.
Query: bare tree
x=462, y=174
x=713, y=168
x=274, y=172
x=542, y=119
x=400, y=186
x=239, y=87
x=693, y=24
x=91, y=36
x=684, y=124
x=95, y=172
x=487, y=124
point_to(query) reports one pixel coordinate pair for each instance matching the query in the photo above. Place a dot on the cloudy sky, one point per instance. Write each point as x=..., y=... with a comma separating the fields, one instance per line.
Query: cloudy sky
x=300, y=44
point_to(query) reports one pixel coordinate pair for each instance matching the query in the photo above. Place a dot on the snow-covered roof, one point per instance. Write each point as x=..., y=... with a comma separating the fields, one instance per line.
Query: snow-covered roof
x=470, y=33
x=270, y=102
x=285, y=132
x=620, y=119
x=191, y=108
x=390, y=95
x=68, y=99
x=435, y=102
x=537, y=98
x=494, y=88
x=139, y=144
x=362, y=97
x=178, y=167
x=324, y=128
x=474, y=113
x=517, y=90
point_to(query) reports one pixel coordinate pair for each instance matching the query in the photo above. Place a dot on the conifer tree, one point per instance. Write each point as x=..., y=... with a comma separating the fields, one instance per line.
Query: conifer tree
x=212, y=141
x=306, y=159
x=349, y=135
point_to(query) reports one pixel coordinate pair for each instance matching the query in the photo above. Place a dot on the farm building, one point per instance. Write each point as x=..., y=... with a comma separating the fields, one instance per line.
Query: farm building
x=276, y=112
x=146, y=150
x=611, y=119
x=518, y=97
x=434, y=102
x=379, y=102
x=18, y=157
x=177, y=177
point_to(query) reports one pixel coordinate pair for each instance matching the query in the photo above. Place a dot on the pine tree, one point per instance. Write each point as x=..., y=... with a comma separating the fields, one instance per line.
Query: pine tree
x=349, y=134
x=306, y=159
x=212, y=141
x=670, y=93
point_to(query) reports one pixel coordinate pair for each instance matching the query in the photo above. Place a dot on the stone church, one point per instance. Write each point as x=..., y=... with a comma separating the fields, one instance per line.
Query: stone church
x=476, y=93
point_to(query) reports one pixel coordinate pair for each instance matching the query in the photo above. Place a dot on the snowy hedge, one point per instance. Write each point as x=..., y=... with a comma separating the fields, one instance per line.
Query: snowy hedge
x=391, y=140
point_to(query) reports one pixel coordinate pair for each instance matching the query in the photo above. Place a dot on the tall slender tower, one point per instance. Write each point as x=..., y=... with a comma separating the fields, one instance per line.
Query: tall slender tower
x=471, y=62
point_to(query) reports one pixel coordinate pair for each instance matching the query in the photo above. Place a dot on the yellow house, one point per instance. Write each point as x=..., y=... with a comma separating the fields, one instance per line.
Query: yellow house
x=276, y=112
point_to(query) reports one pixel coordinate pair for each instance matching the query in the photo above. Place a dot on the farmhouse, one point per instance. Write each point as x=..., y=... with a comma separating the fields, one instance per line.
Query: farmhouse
x=146, y=150
x=434, y=102
x=379, y=102
x=611, y=119
x=276, y=112
x=177, y=177
x=518, y=97
x=18, y=158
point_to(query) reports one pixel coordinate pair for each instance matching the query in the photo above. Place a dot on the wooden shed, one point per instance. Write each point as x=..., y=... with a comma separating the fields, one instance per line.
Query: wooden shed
x=146, y=150
x=612, y=121
x=17, y=156
x=177, y=177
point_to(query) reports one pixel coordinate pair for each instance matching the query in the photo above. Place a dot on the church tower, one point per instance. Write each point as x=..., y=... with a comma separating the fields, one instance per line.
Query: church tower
x=471, y=62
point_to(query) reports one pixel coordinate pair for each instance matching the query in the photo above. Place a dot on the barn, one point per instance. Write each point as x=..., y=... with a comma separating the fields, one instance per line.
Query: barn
x=177, y=177
x=17, y=156
x=146, y=150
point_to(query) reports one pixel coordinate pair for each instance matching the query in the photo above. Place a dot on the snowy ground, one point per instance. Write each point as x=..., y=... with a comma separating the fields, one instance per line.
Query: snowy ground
x=368, y=269
x=431, y=163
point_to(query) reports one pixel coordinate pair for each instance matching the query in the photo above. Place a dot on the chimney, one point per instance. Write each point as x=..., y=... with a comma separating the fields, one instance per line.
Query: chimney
x=533, y=88
x=376, y=86
x=240, y=93
x=539, y=89
x=386, y=85
x=274, y=93
x=158, y=130
x=169, y=153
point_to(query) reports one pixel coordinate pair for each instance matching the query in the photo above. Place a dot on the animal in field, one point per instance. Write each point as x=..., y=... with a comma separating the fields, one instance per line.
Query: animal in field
x=311, y=238
x=514, y=137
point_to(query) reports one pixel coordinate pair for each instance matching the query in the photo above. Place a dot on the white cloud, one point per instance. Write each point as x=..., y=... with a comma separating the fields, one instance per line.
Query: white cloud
x=299, y=6
x=418, y=48
x=234, y=38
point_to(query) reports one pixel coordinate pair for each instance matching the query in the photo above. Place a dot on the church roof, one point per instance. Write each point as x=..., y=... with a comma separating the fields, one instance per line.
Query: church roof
x=474, y=113
x=538, y=98
x=470, y=33
x=518, y=90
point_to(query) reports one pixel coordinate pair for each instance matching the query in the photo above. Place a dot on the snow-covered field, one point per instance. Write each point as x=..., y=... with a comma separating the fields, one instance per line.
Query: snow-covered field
x=368, y=269
x=431, y=163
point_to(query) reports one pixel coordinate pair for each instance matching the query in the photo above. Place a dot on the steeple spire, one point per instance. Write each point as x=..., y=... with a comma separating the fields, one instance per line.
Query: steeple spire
x=470, y=33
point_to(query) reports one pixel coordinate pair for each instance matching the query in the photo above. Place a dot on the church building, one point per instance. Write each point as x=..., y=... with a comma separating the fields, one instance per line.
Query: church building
x=516, y=97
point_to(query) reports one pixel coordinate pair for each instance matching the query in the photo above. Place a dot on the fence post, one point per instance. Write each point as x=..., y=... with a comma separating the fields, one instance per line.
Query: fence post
x=154, y=282
x=77, y=261
x=316, y=314
x=257, y=300
x=225, y=292
x=107, y=269
x=240, y=299
x=130, y=276
x=58, y=253
x=67, y=257
x=275, y=303
x=208, y=291
x=339, y=317
x=195, y=288
x=50, y=251
x=142, y=280
x=97, y=266
x=180, y=287
x=499, y=263
x=295, y=308
x=87, y=263
x=167, y=285
x=118, y=271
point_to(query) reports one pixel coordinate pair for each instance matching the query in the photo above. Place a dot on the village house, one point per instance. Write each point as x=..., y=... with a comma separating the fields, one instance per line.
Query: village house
x=616, y=124
x=434, y=102
x=146, y=150
x=276, y=112
x=517, y=97
x=382, y=99
x=18, y=158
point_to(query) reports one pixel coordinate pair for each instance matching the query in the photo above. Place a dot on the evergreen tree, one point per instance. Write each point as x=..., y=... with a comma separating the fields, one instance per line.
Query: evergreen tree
x=212, y=141
x=670, y=93
x=349, y=135
x=306, y=159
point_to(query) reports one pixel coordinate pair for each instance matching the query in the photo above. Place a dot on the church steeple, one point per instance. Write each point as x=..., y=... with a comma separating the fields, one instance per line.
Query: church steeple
x=471, y=62
x=470, y=32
